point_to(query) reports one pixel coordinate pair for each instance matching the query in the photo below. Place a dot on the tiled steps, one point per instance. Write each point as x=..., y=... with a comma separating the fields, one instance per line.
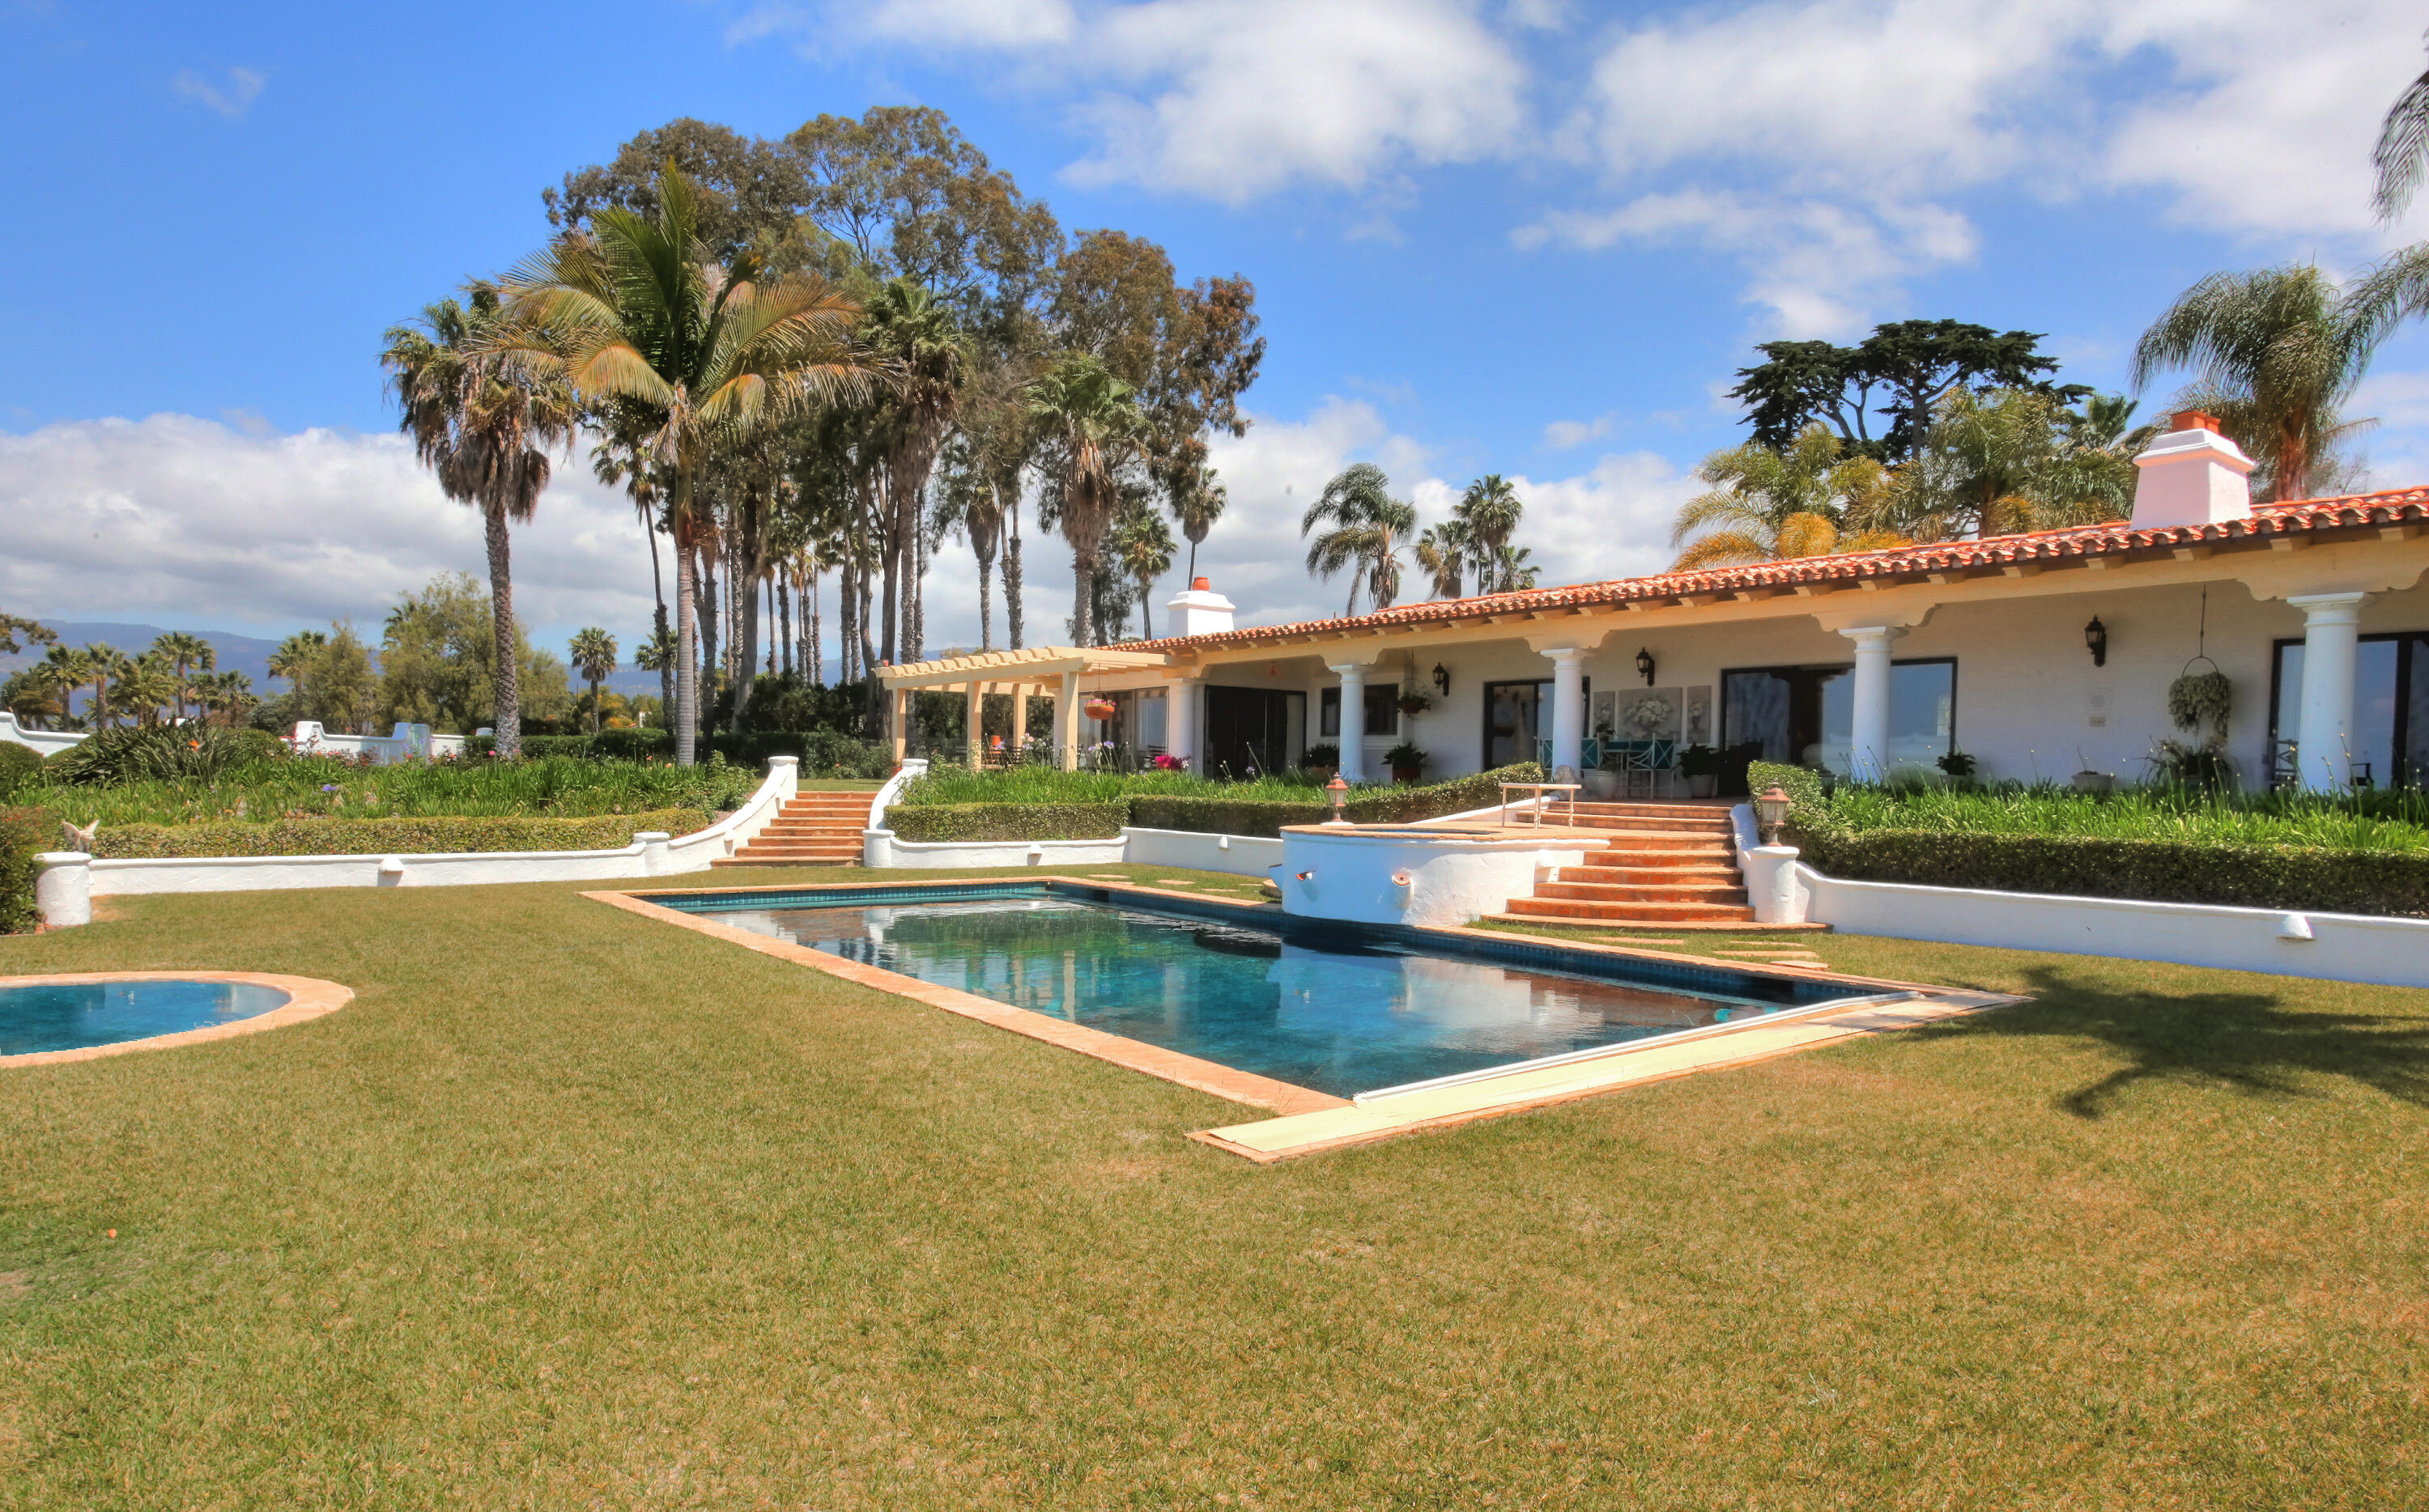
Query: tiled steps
x=1662, y=864
x=814, y=830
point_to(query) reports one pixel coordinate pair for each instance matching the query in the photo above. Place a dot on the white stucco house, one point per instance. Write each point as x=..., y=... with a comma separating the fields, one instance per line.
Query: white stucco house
x=2041, y=655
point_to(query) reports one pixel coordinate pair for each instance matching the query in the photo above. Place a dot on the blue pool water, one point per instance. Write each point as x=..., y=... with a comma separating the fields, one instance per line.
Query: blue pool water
x=75, y=1016
x=1339, y=1010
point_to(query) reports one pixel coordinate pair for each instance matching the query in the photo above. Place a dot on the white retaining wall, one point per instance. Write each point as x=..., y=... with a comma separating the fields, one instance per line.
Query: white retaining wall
x=49, y=742
x=70, y=878
x=406, y=743
x=1242, y=855
x=2328, y=947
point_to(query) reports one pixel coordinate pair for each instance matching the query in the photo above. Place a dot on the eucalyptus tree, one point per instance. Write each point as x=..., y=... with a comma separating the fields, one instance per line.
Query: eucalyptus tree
x=2276, y=353
x=1489, y=511
x=1766, y=504
x=592, y=653
x=483, y=422
x=634, y=310
x=1365, y=530
x=1091, y=428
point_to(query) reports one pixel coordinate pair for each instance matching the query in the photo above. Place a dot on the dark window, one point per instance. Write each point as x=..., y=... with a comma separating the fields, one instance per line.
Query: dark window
x=1382, y=711
x=1805, y=715
x=2390, y=716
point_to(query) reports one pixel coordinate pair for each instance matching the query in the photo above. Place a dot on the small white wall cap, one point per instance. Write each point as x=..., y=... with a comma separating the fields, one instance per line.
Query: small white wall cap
x=2191, y=475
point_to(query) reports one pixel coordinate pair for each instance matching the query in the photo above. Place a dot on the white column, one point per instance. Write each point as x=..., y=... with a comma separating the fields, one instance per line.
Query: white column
x=1868, y=739
x=1568, y=711
x=63, y=888
x=1353, y=721
x=2324, y=742
x=1181, y=721
x=1066, y=722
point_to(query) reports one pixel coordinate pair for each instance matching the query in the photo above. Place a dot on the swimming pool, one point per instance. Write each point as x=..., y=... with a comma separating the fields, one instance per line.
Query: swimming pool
x=36, y=1017
x=1339, y=1009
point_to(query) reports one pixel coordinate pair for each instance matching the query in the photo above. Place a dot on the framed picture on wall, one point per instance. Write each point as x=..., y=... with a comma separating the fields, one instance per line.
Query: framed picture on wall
x=1606, y=711
x=1699, y=716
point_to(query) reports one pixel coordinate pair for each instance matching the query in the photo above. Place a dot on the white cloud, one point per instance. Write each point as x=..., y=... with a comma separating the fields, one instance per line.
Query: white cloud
x=1845, y=130
x=184, y=519
x=231, y=97
x=1229, y=99
x=1562, y=435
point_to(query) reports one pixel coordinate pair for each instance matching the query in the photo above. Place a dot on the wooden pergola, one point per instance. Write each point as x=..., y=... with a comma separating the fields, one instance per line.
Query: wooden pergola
x=1051, y=671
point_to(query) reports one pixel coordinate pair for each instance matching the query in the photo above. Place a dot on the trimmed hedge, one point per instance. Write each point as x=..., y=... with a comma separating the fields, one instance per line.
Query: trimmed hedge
x=18, y=765
x=1811, y=811
x=822, y=751
x=24, y=834
x=1007, y=821
x=2158, y=871
x=1210, y=814
x=384, y=837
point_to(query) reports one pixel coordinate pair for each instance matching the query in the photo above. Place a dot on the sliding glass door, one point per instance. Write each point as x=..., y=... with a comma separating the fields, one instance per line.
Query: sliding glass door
x=2390, y=725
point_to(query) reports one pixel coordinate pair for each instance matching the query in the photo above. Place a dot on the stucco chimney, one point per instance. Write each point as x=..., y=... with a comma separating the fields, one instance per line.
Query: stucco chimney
x=1200, y=611
x=2192, y=476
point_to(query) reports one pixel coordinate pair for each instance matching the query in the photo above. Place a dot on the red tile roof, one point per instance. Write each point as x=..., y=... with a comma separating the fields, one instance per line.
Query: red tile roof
x=2057, y=548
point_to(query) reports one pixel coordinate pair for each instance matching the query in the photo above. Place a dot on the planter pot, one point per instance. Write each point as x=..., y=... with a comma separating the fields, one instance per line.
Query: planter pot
x=1325, y=772
x=1413, y=706
x=1099, y=708
x=2094, y=782
x=1600, y=784
x=1407, y=774
x=1703, y=786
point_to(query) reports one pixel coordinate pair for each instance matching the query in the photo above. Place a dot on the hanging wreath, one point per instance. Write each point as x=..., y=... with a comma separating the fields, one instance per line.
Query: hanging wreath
x=2201, y=698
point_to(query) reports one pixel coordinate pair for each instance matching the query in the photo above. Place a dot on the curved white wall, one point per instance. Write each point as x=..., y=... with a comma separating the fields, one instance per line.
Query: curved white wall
x=1409, y=876
x=48, y=742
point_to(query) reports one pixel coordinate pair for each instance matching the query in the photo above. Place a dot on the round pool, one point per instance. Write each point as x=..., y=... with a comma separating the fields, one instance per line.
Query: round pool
x=72, y=1018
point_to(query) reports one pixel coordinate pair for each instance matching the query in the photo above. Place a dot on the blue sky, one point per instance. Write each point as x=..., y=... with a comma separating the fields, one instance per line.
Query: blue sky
x=1530, y=237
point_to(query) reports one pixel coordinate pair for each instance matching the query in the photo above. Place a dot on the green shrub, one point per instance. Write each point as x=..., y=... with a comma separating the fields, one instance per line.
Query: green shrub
x=1809, y=813
x=385, y=837
x=24, y=834
x=1048, y=784
x=1216, y=815
x=824, y=753
x=1008, y=821
x=18, y=764
x=139, y=753
x=2159, y=871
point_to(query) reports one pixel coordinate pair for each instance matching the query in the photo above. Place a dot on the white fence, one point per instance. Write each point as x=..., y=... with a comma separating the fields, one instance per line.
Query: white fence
x=70, y=879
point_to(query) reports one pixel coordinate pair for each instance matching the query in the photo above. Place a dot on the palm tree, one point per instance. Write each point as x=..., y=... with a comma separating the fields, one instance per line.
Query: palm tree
x=1443, y=551
x=294, y=659
x=1489, y=509
x=1368, y=526
x=64, y=668
x=1512, y=570
x=920, y=342
x=1142, y=544
x=2275, y=353
x=481, y=422
x=102, y=666
x=143, y=685
x=1092, y=428
x=225, y=693
x=635, y=310
x=623, y=457
x=184, y=654
x=1997, y=463
x=1768, y=506
x=1197, y=505
x=2403, y=149
x=593, y=654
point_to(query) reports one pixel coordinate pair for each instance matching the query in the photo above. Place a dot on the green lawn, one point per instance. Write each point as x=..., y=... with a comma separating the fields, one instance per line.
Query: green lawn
x=572, y=1209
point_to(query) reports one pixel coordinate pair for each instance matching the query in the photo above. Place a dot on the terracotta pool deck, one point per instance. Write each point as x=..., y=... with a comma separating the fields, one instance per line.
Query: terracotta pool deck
x=1312, y=1122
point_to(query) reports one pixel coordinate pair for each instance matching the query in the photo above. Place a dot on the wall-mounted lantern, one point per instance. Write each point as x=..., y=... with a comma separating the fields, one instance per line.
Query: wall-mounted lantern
x=1442, y=680
x=1644, y=664
x=2095, y=636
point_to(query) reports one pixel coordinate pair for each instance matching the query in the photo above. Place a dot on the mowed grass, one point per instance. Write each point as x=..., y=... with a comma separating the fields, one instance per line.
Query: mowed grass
x=572, y=1210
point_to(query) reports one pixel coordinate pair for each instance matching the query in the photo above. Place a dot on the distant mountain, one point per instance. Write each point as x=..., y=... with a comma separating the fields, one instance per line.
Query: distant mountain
x=249, y=655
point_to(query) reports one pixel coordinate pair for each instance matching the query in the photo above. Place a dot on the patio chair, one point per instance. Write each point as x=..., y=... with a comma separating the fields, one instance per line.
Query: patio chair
x=1649, y=758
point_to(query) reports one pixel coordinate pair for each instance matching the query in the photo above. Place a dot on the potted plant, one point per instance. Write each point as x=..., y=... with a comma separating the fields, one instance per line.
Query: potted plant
x=1405, y=760
x=1701, y=767
x=1099, y=708
x=1959, y=765
x=1321, y=760
x=1413, y=701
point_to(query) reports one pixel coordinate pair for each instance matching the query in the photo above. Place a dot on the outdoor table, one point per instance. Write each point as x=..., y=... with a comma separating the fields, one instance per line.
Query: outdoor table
x=1568, y=792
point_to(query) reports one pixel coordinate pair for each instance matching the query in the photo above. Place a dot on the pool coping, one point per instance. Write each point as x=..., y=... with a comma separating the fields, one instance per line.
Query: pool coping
x=1312, y=1122
x=307, y=997
x=1134, y=1055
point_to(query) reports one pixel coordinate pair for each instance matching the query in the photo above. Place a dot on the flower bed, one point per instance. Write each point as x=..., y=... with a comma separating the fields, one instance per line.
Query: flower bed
x=1092, y=806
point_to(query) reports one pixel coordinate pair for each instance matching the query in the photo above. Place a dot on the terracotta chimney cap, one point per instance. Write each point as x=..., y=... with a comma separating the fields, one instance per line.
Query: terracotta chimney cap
x=2192, y=420
x=1200, y=585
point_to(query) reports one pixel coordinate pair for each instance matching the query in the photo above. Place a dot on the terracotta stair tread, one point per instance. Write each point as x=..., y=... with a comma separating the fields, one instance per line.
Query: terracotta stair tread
x=1625, y=912
x=1645, y=892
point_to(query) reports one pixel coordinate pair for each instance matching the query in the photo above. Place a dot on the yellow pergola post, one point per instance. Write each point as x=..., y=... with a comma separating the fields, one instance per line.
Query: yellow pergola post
x=1019, y=718
x=975, y=696
x=1066, y=722
x=901, y=722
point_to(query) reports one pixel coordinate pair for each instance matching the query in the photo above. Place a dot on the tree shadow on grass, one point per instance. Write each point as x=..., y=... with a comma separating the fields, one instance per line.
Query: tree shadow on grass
x=2249, y=1043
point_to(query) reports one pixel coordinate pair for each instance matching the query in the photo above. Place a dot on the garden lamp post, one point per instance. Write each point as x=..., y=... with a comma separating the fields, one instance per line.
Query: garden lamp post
x=1770, y=813
x=1337, y=792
